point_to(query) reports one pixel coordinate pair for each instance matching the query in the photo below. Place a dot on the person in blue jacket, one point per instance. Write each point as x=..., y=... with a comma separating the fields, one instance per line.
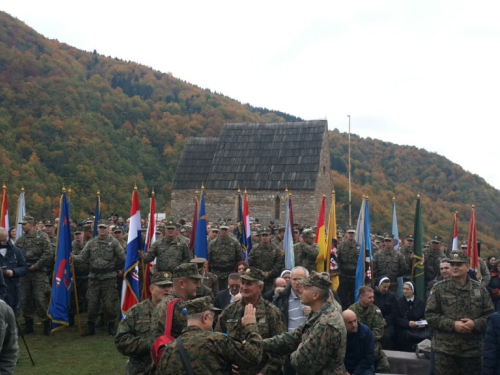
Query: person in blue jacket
x=491, y=346
x=359, y=356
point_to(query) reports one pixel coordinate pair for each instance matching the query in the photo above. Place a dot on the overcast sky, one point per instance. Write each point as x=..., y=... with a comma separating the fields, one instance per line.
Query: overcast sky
x=423, y=73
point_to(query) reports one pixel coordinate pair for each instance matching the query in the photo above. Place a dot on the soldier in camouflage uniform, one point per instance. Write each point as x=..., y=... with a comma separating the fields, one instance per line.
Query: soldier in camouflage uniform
x=118, y=234
x=50, y=231
x=223, y=254
x=389, y=262
x=203, y=290
x=318, y=345
x=269, y=321
x=35, y=289
x=306, y=252
x=485, y=272
x=186, y=281
x=134, y=338
x=278, y=238
x=407, y=251
x=432, y=258
x=81, y=275
x=371, y=316
x=170, y=251
x=268, y=258
x=107, y=259
x=347, y=257
x=212, y=352
x=457, y=311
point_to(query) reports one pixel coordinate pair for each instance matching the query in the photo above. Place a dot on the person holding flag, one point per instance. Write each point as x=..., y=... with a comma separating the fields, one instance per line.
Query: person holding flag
x=389, y=262
x=107, y=259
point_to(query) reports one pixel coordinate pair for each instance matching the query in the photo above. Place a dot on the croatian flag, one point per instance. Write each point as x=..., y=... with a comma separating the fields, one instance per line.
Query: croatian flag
x=130, y=289
x=246, y=220
x=150, y=239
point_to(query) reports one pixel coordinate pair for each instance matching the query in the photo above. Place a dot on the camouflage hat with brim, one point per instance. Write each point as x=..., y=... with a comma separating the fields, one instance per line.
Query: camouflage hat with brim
x=410, y=237
x=27, y=219
x=161, y=278
x=48, y=223
x=187, y=270
x=308, y=233
x=215, y=229
x=252, y=274
x=388, y=236
x=117, y=229
x=198, y=306
x=170, y=224
x=199, y=262
x=458, y=257
x=436, y=239
x=463, y=245
x=264, y=230
x=351, y=229
x=224, y=225
x=87, y=228
x=78, y=230
x=318, y=280
x=102, y=224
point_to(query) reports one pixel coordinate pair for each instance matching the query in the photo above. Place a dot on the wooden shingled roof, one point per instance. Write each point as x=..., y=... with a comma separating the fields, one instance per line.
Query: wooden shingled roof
x=262, y=156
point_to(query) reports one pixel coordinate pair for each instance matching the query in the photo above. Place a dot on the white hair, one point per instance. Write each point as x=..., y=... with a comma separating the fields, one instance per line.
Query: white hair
x=306, y=272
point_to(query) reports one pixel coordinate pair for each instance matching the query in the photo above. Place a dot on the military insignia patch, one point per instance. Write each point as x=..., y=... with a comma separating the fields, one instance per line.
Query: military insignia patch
x=248, y=270
x=477, y=292
x=166, y=275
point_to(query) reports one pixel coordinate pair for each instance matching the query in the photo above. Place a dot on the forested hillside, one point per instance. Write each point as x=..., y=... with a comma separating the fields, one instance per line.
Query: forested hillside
x=94, y=122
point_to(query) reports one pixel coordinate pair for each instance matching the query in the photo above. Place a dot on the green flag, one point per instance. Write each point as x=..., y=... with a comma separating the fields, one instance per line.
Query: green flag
x=418, y=276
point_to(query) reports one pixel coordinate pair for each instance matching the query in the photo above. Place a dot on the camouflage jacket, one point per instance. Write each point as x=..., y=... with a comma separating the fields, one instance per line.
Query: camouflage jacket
x=211, y=281
x=449, y=302
x=370, y=316
x=82, y=269
x=431, y=264
x=390, y=263
x=347, y=256
x=212, y=352
x=223, y=254
x=168, y=253
x=37, y=250
x=267, y=258
x=324, y=339
x=305, y=255
x=277, y=241
x=105, y=255
x=485, y=273
x=406, y=252
x=134, y=339
x=269, y=324
x=179, y=322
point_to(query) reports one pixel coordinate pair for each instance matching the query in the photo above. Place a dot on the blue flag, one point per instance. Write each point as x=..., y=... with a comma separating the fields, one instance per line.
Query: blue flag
x=365, y=252
x=62, y=285
x=201, y=245
x=97, y=214
x=288, y=239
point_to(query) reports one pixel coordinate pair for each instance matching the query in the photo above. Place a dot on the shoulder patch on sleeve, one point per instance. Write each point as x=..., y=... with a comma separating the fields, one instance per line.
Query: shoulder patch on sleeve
x=225, y=335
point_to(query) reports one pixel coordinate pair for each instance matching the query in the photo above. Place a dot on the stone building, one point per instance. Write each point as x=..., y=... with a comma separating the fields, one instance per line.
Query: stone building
x=263, y=158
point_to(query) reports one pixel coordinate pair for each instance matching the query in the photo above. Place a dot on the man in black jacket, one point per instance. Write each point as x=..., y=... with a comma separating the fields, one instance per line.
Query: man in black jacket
x=359, y=355
x=13, y=266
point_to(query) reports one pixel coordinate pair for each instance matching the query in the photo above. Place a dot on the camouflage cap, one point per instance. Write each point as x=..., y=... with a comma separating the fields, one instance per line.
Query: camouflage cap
x=252, y=274
x=409, y=237
x=463, y=245
x=224, y=225
x=161, y=278
x=102, y=223
x=170, y=224
x=198, y=306
x=48, y=223
x=264, y=230
x=117, y=229
x=255, y=232
x=144, y=228
x=188, y=228
x=351, y=229
x=318, y=280
x=281, y=228
x=187, y=270
x=215, y=229
x=308, y=233
x=436, y=239
x=199, y=262
x=78, y=230
x=27, y=219
x=388, y=236
x=87, y=228
x=458, y=257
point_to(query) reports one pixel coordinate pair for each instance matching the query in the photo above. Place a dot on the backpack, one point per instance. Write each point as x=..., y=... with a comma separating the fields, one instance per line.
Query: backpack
x=161, y=342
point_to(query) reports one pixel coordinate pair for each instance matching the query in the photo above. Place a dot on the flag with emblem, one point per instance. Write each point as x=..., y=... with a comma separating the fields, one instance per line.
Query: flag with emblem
x=288, y=238
x=201, y=244
x=4, y=209
x=130, y=287
x=97, y=213
x=418, y=259
x=242, y=235
x=321, y=239
x=62, y=284
x=331, y=236
x=472, y=249
x=150, y=239
x=21, y=211
x=246, y=223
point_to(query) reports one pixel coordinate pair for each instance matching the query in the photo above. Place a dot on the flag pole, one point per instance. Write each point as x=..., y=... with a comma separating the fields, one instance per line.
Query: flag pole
x=372, y=279
x=350, y=203
x=75, y=292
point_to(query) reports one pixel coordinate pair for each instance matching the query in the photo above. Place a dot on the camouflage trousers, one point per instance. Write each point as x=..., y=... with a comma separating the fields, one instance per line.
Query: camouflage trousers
x=381, y=362
x=346, y=291
x=35, y=295
x=81, y=290
x=449, y=364
x=104, y=290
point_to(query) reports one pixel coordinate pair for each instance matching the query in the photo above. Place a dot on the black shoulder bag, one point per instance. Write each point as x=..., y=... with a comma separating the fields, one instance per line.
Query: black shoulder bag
x=184, y=357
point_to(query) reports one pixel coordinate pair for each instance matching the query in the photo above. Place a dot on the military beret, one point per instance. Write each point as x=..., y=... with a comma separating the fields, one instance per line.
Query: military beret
x=27, y=219
x=199, y=305
x=224, y=225
x=264, y=230
x=187, y=270
x=308, y=233
x=409, y=237
x=318, y=280
x=388, y=236
x=102, y=223
x=161, y=278
x=463, y=245
x=252, y=274
x=436, y=239
x=170, y=224
x=458, y=257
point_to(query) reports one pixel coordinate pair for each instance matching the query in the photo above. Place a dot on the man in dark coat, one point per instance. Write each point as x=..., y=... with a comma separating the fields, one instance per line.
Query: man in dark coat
x=491, y=346
x=359, y=354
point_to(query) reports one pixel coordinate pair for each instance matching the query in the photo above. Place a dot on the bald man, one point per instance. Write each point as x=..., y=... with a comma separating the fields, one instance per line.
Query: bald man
x=359, y=356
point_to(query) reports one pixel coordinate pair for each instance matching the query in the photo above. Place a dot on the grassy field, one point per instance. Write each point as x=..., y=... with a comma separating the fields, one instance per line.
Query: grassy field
x=65, y=353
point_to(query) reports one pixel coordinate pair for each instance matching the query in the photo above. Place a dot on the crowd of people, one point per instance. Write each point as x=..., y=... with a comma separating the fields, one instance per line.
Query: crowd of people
x=252, y=315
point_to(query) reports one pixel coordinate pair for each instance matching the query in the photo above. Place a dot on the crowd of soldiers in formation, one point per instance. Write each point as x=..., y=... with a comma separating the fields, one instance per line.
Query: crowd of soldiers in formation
x=249, y=303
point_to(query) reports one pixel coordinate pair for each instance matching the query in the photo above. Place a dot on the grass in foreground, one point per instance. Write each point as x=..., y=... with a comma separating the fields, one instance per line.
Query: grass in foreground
x=65, y=353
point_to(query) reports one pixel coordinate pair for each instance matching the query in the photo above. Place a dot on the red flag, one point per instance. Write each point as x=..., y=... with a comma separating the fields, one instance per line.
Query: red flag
x=150, y=239
x=472, y=252
x=192, y=237
x=4, y=222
